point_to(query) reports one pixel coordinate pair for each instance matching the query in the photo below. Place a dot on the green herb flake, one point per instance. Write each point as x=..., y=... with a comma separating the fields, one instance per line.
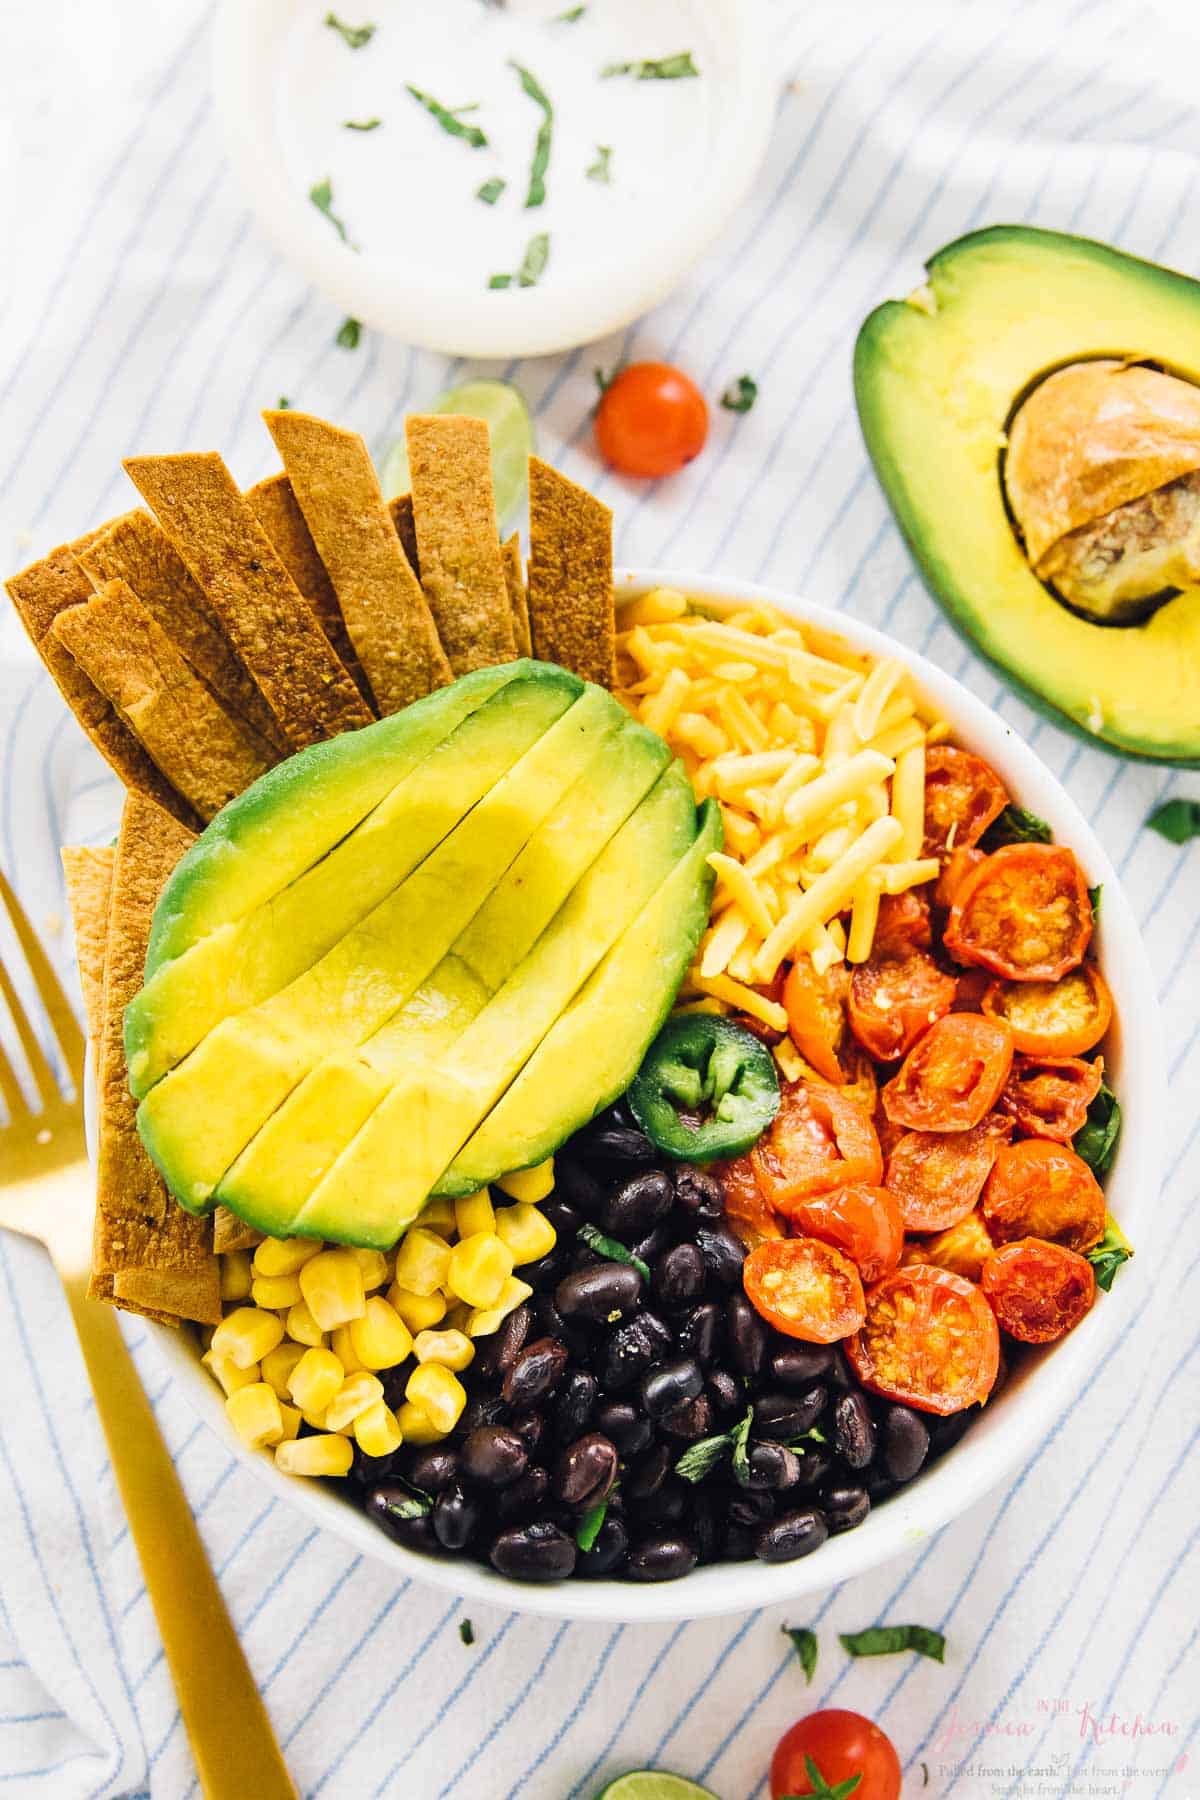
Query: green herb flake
x=589, y=1526
x=1177, y=820
x=1094, y=894
x=739, y=1437
x=612, y=1249
x=361, y=124
x=1096, y=1141
x=1110, y=1253
x=500, y=281
x=353, y=36
x=409, y=1506
x=740, y=395
x=466, y=1631
x=702, y=1457
x=815, y=1436
x=804, y=1643
x=448, y=117
x=889, y=1640
x=1016, y=826
x=541, y=147
x=491, y=190
x=533, y=264
x=663, y=68
x=348, y=335
x=321, y=195
x=572, y=16
x=601, y=169
x=819, y=1788
x=605, y=381
x=283, y=404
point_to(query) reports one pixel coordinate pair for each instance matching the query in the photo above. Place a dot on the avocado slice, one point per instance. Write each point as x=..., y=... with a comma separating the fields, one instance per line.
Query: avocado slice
x=246, y=960
x=938, y=378
x=380, y=1182
x=595, y=1048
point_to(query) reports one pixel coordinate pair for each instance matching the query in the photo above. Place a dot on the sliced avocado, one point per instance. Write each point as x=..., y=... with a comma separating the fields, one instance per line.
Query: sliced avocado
x=595, y=1048
x=247, y=960
x=380, y=1182
x=938, y=378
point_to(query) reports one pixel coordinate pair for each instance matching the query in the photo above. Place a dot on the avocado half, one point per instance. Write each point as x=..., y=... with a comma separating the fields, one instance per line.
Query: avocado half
x=937, y=379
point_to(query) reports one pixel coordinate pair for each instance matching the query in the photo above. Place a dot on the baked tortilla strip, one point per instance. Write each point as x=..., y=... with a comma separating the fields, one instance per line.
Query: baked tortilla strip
x=450, y=462
x=88, y=875
x=148, y=1255
x=570, y=576
x=39, y=594
x=278, y=512
x=229, y=1232
x=264, y=615
x=134, y=549
x=390, y=625
x=518, y=599
x=401, y=509
x=207, y=754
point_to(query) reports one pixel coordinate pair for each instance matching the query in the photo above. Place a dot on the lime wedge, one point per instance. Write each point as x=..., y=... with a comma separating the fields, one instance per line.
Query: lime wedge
x=653, y=1784
x=512, y=441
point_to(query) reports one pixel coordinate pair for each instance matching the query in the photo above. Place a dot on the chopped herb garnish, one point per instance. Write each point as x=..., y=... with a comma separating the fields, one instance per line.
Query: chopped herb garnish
x=1108, y=1255
x=1096, y=1142
x=603, y=381
x=804, y=1643
x=662, y=68
x=448, y=117
x=349, y=334
x=815, y=1436
x=466, y=1631
x=819, y=1788
x=570, y=17
x=601, y=169
x=611, y=1248
x=533, y=263
x=361, y=124
x=354, y=36
x=321, y=196
x=740, y=395
x=889, y=1640
x=491, y=190
x=408, y=1506
x=1016, y=826
x=1176, y=820
x=1094, y=894
x=541, y=146
x=500, y=281
x=283, y=404
x=589, y=1526
x=702, y=1457
x=741, y=1459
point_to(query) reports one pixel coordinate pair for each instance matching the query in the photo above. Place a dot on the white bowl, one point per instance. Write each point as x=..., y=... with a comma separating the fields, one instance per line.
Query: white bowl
x=1045, y=1383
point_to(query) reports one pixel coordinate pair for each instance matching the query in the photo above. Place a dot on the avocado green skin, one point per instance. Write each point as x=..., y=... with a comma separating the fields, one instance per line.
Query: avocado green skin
x=969, y=591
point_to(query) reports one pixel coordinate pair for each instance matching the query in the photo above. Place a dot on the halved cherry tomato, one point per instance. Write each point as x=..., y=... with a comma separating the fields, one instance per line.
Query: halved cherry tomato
x=1040, y=1189
x=818, y=1140
x=930, y=1340
x=651, y=420
x=1038, y=1291
x=1024, y=912
x=962, y=1248
x=963, y=794
x=816, y=1010
x=806, y=1289
x=1048, y=1096
x=903, y=923
x=1053, y=1018
x=863, y=1222
x=745, y=1204
x=842, y=1747
x=894, y=999
x=937, y=1176
x=953, y=1076
x=954, y=873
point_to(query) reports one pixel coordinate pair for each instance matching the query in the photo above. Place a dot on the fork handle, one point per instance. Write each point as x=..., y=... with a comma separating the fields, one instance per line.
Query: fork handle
x=227, y=1723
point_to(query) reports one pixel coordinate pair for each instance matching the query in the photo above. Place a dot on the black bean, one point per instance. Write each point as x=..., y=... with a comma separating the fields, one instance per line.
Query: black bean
x=703, y=1526
x=669, y=1383
x=580, y=1256
x=623, y=1354
x=840, y=1375
x=618, y=1147
x=853, y=1429
x=664, y=1507
x=664, y=1557
x=745, y=1334
x=794, y=1534
x=679, y=1274
x=608, y=1552
x=945, y=1432
x=799, y=1365
x=525, y=1497
x=596, y=1293
x=726, y=1392
x=530, y=1427
x=785, y=1416
x=565, y=1218
x=638, y=1205
x=879, y=1484
x=723, y=1254
x=648, y=1248
x=629, y=1429
x=536, y=1552
x=499, y=1351
x=905, y=1442
x=370, y=1471
x=751, y=1506
x=494, y=1456
x=551, y=1323
x=700, y=1333
x=545, y=1274
x=586, y=1470
x=455, y=1517
x=537, y=1371
x=573, y=1405
x=698, y=1192
x=845, y=1507
x=482, y=1409
x=658, y=1333
x=815, y=1465
x=737, y=1543
x=578, y=1186
x=433, y=1469
x=772, y=1466
x=393, y=1508
x=690, y=1420
x=649, y=1472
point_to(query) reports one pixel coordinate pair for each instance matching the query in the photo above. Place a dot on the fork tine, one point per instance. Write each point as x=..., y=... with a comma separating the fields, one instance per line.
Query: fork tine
x=10, y=1088
x=35, y=1056
x=58, y=1008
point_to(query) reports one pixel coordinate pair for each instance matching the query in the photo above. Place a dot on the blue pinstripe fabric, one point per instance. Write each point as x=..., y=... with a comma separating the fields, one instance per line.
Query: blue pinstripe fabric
x=151, y=315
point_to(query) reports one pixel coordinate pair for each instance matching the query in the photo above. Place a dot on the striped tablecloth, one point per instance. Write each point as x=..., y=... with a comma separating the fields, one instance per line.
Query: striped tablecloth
x=143, y=311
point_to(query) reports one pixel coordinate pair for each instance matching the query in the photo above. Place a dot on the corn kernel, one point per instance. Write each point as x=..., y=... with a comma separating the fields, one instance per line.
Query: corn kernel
x=439, y=1393
x=526, y=1231
x=474, y=1213
x=227, y=1372
x=438, y=1215
x=315, y=1379
x=483, y=1320
x=342, y=1345
x=315, y=1456
x=303, y=1327
x=479, y=1267
x=333, y=1287
x=290, y=1417
x=421, y=1261
x=374, y=1267
x=380, y=1338
x=416, y=1427
x=236, y=1275
x=275, y=1292
x=354, y=1396
x=285, y=1256
x=453, y=1349
x=417, y=1310
x=277, y=1366
x=457, y=1316
x=315, y=1419
x=254, y=1414
x=376, y=1432
x=530, y=1184
x=246, y=1335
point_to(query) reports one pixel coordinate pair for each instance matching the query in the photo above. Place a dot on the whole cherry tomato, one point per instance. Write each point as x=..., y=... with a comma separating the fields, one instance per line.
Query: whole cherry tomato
x=1049, y=1096
x=930, y=1340
x=963, y=794
x=1038, y=1291
x=1040, y=1189
x=863, y=1222
x=746, y=1207
x=651, y=420
x=894, y=999
x=806, y=1289
x=937, y=1176
x=839, y=1745
x=903, y=923
x=953, y=1076
x=1024, y=912
x=1053, y=1018
x=816, y=1010
x=962, y=1248
x=818, y=1140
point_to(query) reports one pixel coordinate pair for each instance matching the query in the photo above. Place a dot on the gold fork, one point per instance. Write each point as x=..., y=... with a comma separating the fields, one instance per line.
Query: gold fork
x=46, y=1193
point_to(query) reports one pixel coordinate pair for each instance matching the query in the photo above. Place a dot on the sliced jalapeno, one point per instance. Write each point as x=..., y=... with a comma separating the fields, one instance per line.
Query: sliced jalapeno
x=706, y=1089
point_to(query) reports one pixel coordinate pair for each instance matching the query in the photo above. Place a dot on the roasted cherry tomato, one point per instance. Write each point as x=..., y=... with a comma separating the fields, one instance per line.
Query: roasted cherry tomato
x=953, y=1076
x=937, y=1176
x=962, y=1248
x=806, y=1289
x=816, y=1010
x=894, y=999
x=651, y=420
x=973, y=984
x=954, y=873
x=1048, y=1096
x=1024, y=912
x=963, y=794
x=860, y=1084
x=863, y=1222
x=841, y=1746
x=745, y=1204
x=1040, y=1189
x=1038, y=1291
x=930, y=1340
x=903, y=923
x=1053, y=1018
x=819, y=1140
